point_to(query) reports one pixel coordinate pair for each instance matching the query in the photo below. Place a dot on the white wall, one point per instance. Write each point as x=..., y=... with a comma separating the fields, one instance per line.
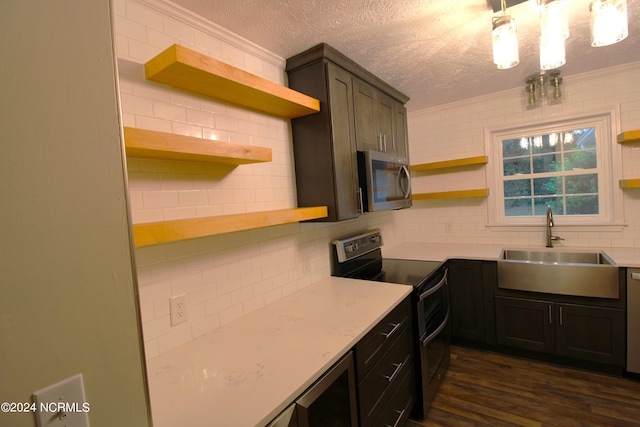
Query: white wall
x=67, y=295
x=457, y=131
x=230, y=275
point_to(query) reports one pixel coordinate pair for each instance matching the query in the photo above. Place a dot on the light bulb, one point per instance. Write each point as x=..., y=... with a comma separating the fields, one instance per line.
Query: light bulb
x=609, y=23
x=505, y=43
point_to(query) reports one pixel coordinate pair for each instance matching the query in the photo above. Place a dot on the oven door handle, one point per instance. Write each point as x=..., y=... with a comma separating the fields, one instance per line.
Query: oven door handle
x=435, y=288
x=435, y=333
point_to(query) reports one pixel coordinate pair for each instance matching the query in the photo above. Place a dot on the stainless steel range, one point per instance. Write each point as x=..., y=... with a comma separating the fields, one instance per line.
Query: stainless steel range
x=360, y=257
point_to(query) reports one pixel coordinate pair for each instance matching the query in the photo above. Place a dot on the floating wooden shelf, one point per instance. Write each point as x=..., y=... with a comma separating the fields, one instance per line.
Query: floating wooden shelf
x=459, y=194
x=154, y=233
x=630, y=136
x=468, y=161
x=630, y=183
x=151, y=144
x=186, y=69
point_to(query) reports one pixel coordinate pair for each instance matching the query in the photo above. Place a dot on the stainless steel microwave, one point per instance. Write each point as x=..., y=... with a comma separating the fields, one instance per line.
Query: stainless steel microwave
x=385, y=181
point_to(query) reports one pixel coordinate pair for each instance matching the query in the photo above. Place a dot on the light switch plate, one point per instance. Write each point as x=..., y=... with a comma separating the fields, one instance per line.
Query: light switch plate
x=62, y=404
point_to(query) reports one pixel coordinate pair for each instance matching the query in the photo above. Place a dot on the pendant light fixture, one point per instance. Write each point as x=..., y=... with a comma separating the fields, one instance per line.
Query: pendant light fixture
x=552, y=51
x=505, y=41
x=554, y=29
x=609, y=23
x=553, y=17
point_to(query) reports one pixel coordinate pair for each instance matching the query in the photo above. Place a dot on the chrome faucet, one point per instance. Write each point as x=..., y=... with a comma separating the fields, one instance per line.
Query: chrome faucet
x=550, y=238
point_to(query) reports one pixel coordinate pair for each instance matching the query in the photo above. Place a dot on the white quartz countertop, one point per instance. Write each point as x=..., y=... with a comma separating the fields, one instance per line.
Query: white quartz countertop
x=623, y=257
x=245, y=373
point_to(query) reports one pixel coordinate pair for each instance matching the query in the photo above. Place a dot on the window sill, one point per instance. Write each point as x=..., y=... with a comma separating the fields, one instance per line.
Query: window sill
x=582, y=226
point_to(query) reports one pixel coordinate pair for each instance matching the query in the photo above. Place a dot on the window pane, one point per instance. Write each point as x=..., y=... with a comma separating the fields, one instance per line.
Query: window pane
x=555, y=203
x=545, y=144
x=517, y=207
x=581, y=184
x=517, y=166
x=586, y=159
x=517, y=188
x=585, y=138
x=514, y=148
x=547, y=163
x=544, y=186
x=582, y=205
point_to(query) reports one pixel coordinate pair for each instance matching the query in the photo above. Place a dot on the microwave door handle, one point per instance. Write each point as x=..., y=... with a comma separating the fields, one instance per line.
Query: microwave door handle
x=404, y=171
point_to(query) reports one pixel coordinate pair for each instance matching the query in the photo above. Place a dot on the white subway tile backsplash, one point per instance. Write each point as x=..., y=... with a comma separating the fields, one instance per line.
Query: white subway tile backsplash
x=205, y=325
x=174, y=338
x=181, y=32
x=168, y=111
x=230, y=314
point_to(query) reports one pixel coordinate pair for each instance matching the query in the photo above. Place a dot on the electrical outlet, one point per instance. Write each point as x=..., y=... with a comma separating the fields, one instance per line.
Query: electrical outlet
x=178, y=309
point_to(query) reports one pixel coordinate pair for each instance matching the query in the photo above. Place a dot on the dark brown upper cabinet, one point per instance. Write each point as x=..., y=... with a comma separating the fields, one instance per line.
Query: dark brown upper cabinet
x=358, y=112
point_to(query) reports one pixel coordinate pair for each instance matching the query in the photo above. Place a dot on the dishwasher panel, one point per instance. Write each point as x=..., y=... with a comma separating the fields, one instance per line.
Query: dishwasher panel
x=633, y=320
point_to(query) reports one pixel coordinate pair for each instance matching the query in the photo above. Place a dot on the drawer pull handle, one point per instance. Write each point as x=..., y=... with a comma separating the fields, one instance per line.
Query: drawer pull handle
x=398, y=369
x=398, y=420
x=395, y=328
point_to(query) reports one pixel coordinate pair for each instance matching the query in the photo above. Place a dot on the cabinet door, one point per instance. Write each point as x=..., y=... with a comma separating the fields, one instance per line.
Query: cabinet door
x=367, y=135
x=385, y=107
x=525, y=323
x=591, y=333
x=344, y=145
x=400, y=137
x=467, y=300
x=324, y=143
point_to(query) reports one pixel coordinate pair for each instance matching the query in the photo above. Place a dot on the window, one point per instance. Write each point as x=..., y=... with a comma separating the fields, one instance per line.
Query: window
x=557, y=170
x=566, y=165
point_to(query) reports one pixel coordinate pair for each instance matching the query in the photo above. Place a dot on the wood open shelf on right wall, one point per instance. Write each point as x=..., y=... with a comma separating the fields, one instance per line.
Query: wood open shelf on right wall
x=632, y=136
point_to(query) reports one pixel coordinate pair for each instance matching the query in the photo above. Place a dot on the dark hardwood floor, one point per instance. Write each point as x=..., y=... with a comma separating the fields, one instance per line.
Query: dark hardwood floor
x=487, y=389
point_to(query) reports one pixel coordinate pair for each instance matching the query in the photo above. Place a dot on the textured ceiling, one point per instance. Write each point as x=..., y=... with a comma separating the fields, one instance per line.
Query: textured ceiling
x=435, y=51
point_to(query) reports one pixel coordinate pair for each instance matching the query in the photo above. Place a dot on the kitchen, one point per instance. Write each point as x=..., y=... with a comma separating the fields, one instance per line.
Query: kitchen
x=275, y=262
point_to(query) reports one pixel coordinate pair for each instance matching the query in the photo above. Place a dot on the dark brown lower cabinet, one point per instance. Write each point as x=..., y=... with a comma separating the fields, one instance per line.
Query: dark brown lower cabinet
x=472, y=284
x=596, y=334
x=385, y=372
x=588, y=333
x=525, y=323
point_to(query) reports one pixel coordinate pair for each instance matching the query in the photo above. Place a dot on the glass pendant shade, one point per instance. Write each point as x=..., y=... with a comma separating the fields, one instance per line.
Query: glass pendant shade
x=553, y=17
x=552, y=51
x=609, y=22
x=505, y=43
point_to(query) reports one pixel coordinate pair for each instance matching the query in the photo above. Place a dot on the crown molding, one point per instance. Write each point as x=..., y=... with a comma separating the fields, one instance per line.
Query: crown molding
x=196, y=21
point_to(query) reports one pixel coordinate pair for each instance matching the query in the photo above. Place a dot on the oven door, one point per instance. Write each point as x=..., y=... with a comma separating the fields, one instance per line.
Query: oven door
x=435, y=335
x=385, y=181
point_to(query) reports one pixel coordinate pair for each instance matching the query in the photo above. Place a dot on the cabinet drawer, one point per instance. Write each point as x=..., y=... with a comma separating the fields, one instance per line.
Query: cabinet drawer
x=376, y=389
x=397, y=412
x=372, y=347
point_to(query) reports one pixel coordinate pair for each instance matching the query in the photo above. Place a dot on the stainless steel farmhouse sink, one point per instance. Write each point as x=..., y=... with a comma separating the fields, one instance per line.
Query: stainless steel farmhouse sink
x=589, y=274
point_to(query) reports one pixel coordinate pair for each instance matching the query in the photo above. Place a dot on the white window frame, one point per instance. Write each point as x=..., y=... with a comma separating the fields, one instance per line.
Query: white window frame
x=606, y=123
